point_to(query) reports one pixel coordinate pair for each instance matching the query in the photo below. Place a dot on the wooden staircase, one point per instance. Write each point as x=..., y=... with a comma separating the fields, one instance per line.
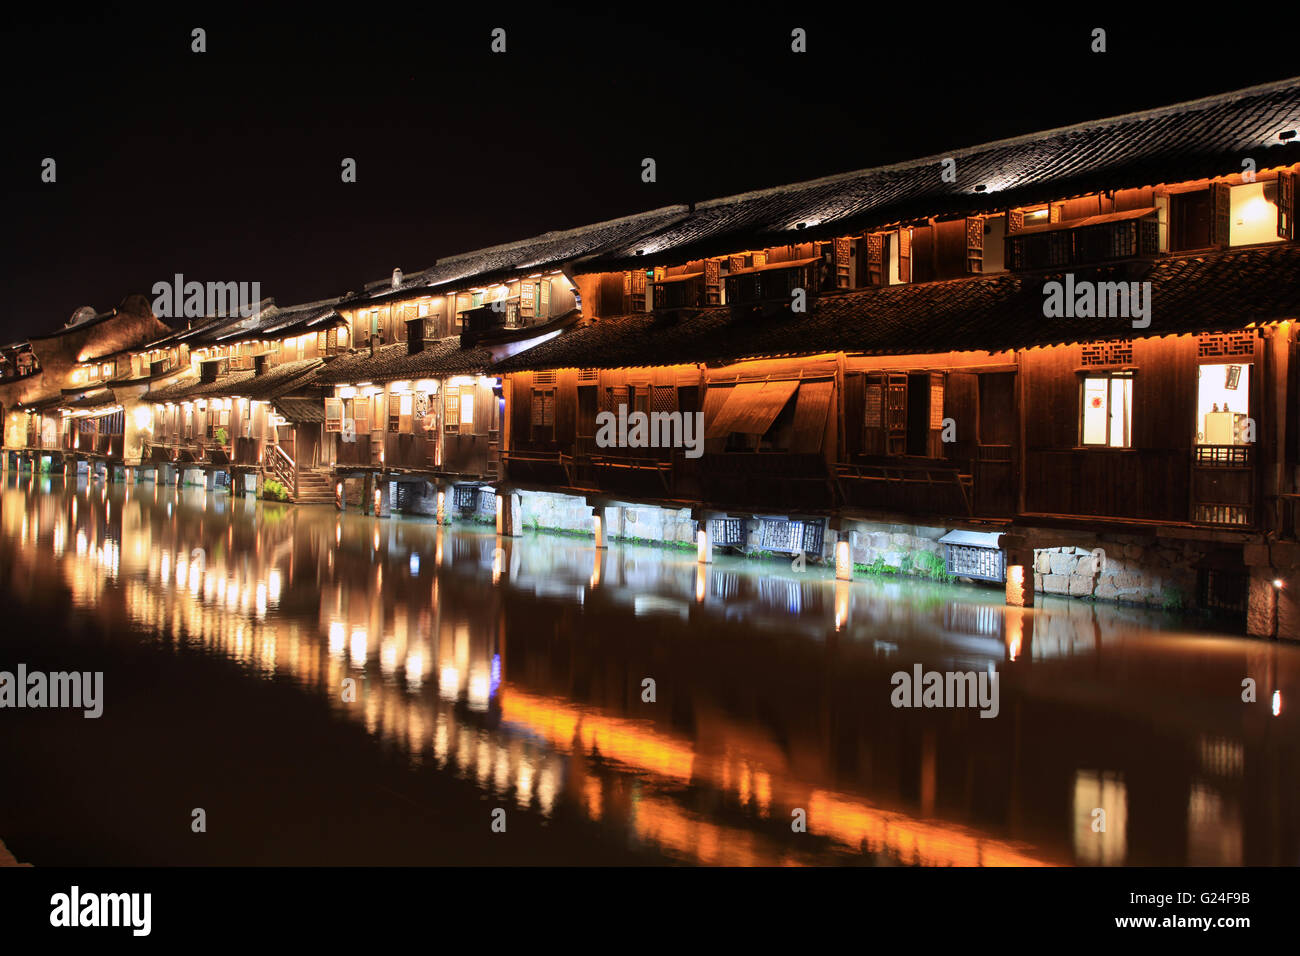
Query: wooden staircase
x=314, y=488
x=305, y=487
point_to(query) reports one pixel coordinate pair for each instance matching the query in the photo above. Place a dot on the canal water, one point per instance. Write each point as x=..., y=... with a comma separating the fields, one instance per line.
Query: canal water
x=535, y=701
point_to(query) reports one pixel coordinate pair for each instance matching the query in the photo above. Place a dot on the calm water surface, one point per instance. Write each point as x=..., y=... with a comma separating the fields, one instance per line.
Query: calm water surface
x=497, y=673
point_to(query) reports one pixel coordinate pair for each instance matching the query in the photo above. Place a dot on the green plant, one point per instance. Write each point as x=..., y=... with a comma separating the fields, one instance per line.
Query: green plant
x=221, y=435
x=273, y=489
x=930, y=565
x=1172, y=599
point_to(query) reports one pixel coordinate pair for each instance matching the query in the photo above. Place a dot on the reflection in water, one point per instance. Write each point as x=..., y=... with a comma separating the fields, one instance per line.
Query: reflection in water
x=517, y=665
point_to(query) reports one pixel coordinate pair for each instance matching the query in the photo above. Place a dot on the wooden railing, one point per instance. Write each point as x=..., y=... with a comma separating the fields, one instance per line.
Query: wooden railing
x=914, y=487
x=282, y=466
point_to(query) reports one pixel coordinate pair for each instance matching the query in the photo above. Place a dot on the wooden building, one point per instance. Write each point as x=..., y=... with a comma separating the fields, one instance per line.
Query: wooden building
x=48, y=375
x=1045, y=354
x=245, y=406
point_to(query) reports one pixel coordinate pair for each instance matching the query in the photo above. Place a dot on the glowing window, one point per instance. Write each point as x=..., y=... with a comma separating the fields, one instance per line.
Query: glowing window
x=1107, y=416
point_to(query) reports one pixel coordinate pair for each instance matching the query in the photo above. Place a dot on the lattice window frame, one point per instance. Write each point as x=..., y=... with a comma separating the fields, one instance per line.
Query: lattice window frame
x=1105, y=354
x=1225, y=345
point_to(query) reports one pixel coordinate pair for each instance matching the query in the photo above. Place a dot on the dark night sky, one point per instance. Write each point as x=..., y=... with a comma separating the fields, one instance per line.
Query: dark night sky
x=226, y=165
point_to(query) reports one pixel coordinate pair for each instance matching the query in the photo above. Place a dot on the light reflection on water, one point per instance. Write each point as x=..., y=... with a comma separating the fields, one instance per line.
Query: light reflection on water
x=518, y=665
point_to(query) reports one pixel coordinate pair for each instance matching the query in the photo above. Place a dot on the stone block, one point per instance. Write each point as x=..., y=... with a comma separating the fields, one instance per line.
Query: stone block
x=1056, y=584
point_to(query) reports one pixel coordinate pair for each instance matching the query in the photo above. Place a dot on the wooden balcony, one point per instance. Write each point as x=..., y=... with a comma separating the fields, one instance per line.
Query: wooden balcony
x=1223, y=485
x=471, y=455
x=906, y=486
x=415, y=452
x=776, y=481
x=353, y=454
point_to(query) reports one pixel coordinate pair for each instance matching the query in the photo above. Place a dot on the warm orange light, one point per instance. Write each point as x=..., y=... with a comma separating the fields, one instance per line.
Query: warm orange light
x=843, y=561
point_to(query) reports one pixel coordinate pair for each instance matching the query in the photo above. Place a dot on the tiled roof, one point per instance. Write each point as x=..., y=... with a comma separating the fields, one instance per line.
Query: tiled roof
x=276, y=381
x=301, y=409
x=270, y=321
x=1194, y=140
x=391, y=362
x=1212, y=292
x=276, y=322
x=548, y=251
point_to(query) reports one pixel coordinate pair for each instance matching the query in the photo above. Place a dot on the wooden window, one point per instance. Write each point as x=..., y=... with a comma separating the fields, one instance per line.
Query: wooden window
x=1106, y=410
x=361, y=416
x=543, y=414
x=1222, y=407
x=451, y=409
x=467, y=397
x=895, y=414
x=394, y=412
x=842, y=248
x=904, y=237
x=875, y=260
x=333, y=415
x=1221, y=220
x=974, y=244
x=873, y=422
x=1190, y=216
x=663, y=399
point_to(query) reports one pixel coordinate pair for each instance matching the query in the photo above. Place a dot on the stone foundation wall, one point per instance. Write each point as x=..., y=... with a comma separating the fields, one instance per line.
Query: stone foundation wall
x=1128, y=569
x=895, y=548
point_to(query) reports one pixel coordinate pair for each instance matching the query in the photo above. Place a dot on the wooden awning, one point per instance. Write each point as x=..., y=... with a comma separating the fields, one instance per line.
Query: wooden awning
x=773, y=266
x=751, y=408
x=810, y=414
x=1080, y=223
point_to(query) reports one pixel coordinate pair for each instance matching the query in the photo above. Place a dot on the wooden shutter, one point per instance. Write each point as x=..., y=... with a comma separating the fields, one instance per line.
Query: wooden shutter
x=1221, y=214
x=974, y=244
x=712, y=282
x=937, y=382
x=451, y=409
x=1286, y=183
x=361, y=416
x=896, y=414
x=394, y=412
x=333, y=415
x=876, y=274
x=873, y=421
x=905, y=255
x=843, y=277
x=664, y=399
x=544, y=298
